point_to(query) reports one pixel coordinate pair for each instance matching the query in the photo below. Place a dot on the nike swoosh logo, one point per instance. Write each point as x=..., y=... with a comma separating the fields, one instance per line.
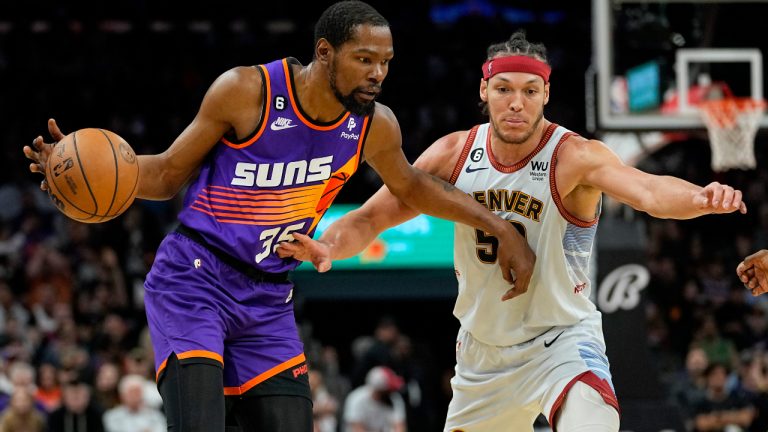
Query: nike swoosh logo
x=547, y=344
x=276, y=127
x=470, y=170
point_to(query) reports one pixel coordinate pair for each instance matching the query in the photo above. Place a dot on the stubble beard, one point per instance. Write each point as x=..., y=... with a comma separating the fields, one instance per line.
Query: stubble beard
x=508, y=139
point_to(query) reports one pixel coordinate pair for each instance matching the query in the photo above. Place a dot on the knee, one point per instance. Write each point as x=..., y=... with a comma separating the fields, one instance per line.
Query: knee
x=584, y=410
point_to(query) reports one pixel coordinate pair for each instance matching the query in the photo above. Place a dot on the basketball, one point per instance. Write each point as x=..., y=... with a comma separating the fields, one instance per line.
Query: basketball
x=92, y=175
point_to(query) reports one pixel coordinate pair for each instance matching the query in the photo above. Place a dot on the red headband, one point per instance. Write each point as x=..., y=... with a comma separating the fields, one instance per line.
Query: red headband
x=516, y=64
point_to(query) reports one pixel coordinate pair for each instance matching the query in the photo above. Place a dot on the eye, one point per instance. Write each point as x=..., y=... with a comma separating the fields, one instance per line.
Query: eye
x=532, y=92
x=364, y=60
x=385, y=62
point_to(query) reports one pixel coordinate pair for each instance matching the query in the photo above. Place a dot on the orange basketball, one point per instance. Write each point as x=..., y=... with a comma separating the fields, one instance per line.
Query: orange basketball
x=92, y=175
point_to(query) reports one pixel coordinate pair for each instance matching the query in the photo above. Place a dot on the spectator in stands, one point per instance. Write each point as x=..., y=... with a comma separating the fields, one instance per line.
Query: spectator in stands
x=132, y=415
x=721, y=410
x=688, y=387
x=21, y=415
x=107, y=379
x=48, y=393
x=380, y=352
x=77, y=413
x=376, y=405
x=325, y=407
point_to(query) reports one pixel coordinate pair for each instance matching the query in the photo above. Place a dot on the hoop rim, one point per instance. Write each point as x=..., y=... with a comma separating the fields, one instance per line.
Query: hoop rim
x=722, y=113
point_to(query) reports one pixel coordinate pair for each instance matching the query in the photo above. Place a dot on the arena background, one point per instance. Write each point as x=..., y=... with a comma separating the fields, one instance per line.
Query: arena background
x=70, y=294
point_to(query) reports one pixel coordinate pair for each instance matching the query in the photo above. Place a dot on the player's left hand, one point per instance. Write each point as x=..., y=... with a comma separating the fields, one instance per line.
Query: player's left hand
x=720, y=198
x=304, y=248
x=753, y=272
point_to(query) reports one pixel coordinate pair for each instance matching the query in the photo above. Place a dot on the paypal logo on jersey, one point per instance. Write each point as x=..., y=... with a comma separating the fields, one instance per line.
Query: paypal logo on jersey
x=351, y=124
x=282, y=173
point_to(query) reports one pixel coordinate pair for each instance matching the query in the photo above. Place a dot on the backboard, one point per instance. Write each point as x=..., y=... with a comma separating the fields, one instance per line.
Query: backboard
x=653, y=60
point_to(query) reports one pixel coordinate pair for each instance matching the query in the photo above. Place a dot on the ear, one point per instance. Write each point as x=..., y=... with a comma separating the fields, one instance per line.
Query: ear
x=323, y=50
x=546, y=93
x=483, y=90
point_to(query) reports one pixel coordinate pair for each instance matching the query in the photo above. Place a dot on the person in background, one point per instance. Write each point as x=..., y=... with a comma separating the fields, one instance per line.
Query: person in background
x=376, y=406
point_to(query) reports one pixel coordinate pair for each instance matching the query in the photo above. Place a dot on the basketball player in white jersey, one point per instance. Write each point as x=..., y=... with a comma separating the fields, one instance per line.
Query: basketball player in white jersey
x=540, y=351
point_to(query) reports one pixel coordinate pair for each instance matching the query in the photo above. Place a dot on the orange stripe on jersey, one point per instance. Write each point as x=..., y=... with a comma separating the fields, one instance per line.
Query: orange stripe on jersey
x=161, y=369
x=264, y=209
x=363, y=131
x=296, y=109
x=200, y=353
x=261, y=192
x=227, y=215
x=269, y=211
x=190, y=354
x=260, y=198
x=235, y=391
x=265, y=116
x=332, y=187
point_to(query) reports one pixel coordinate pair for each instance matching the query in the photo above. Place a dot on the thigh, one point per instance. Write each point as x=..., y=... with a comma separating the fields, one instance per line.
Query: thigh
x=586, y=410
x=490, y=392
x=272, y=413
x=192, y=396
x=183, y=303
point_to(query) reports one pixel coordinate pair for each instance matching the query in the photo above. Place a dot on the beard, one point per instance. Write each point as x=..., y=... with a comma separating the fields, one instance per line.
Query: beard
x=348, y=101
x=526, y=135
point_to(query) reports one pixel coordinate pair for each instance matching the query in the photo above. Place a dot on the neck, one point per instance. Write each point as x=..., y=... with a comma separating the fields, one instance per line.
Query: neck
x=314, y=93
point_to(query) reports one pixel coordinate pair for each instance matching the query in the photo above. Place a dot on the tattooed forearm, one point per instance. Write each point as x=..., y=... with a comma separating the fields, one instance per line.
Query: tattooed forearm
x=446, y=186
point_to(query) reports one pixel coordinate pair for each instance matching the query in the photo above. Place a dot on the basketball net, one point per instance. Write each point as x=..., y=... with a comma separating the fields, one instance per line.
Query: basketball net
x=732, y=125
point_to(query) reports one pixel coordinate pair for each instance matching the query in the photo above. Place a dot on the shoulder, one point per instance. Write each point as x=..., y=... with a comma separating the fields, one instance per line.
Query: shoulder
x=577, y=149
x=442, y=156
x=239, y=80
x=384, y=119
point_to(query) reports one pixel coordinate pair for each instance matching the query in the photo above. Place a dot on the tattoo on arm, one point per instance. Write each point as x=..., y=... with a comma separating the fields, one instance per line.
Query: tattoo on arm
x=446, y=186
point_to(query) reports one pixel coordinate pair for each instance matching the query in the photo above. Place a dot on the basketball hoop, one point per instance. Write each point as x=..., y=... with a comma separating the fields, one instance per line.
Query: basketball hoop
x=732, y=124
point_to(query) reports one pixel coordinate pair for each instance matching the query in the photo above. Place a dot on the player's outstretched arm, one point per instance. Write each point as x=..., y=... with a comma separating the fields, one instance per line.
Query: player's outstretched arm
x=228, y=102
x=350, y=234
x=591, y=164
x=753, y=272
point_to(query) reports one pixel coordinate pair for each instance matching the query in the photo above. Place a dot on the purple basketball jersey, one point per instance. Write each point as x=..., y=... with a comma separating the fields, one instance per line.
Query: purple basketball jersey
x=254, y=193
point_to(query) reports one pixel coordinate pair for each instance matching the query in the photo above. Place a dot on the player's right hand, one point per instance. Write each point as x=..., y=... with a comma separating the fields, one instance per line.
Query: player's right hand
x=516, y=260
x=39, y=151
x=304, y=248
x=753, y=272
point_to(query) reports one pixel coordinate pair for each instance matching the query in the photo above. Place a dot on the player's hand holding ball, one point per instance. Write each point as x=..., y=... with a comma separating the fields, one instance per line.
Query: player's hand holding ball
x=91, y=174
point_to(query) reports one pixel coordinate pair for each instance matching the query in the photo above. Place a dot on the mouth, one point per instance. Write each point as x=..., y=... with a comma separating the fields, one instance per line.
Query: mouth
x=369, y=94
x=366, y=95
x=513, y=121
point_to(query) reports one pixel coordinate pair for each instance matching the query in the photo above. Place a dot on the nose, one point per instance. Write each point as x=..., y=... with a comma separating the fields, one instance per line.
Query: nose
x=516, y=102
x=377, y=73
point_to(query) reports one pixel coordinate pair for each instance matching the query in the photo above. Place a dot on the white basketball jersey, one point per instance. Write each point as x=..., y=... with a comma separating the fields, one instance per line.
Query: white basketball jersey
x=525, y=195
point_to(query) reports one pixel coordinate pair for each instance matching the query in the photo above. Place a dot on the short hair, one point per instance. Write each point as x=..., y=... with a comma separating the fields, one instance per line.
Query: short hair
x=128, y=381
x=517, y=44
x=337, y=23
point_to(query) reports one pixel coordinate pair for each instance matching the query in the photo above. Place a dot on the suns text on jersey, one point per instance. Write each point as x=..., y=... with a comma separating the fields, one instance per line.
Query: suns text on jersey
x=282, y=173
x=510, y=201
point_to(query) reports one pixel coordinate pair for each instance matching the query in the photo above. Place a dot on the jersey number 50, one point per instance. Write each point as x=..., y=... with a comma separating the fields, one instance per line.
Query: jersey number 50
x=488, y=245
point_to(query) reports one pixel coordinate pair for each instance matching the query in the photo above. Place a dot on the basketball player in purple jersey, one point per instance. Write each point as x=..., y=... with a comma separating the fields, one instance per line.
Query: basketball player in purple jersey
x=274, y=144
x=753, y=272
x=543, y=350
